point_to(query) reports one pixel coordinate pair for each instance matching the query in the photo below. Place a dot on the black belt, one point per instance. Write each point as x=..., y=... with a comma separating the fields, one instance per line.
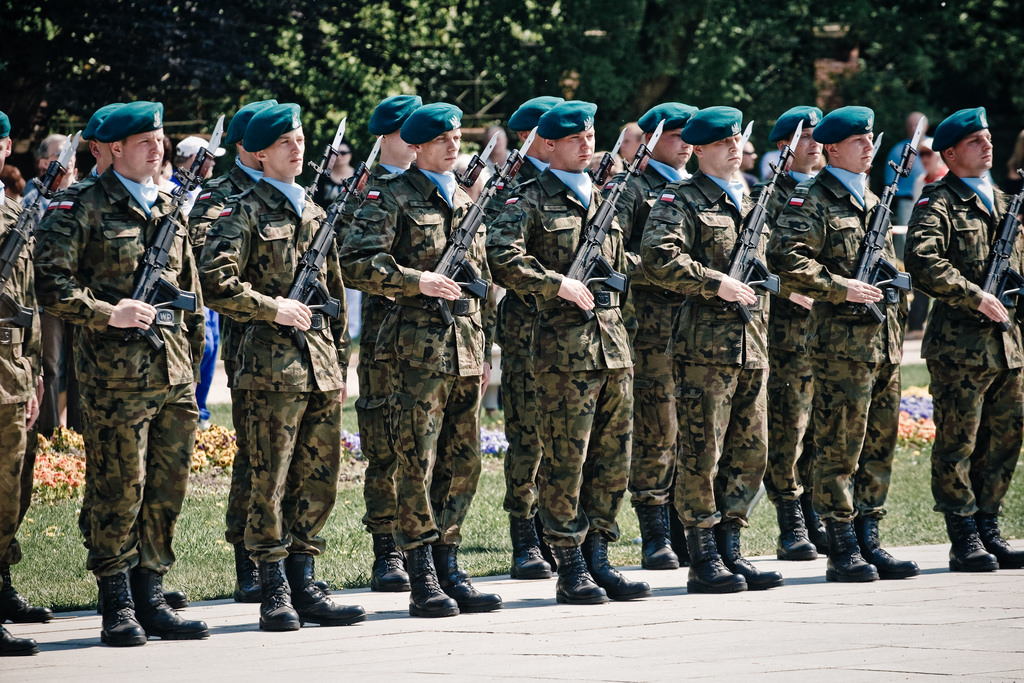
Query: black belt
x=11, y=335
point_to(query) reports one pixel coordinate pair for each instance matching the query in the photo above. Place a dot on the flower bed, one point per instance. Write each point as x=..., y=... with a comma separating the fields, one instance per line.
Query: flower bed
x=917, y=430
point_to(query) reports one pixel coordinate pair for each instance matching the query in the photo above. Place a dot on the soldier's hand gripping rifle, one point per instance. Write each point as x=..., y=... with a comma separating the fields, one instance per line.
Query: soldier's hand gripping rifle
x=14, y=313
x=1001, y=280
x=605, y=167
x=745, y=265
x=453, y=263
x=872, y=268
x=589, y=265
x=150, y=285
x=306, y=287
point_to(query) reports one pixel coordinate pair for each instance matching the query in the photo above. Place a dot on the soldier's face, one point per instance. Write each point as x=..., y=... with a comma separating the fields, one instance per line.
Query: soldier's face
x=671, y=149
x=720, y=159
x=283, y=159
x=852, y=154
x=973, y=155
x=394, y=151
x=573, y=152
x=5, y=151
x=807, y=153
x=439, y=155
x=138, y=157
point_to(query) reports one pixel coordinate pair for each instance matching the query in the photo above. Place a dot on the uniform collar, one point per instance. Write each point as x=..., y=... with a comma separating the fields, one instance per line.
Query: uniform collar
x=966, y=194
x=427, y=189
x=118, y=194
x=714, y=193
x=840, y=191
x=553, y=187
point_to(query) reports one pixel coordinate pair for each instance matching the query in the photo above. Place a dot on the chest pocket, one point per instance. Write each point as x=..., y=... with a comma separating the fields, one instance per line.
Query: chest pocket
x=276, y=245
x=559, y=237
x=125, y=243
x=970, y=239
x=426, y=237
x=717, y=238
x=844, y=242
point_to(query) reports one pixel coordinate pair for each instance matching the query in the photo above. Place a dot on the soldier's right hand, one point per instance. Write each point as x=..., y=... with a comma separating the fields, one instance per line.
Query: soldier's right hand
x=435, y=284
x=293, y=313
x=801, y=300
x=858, y=292
x=993, y=309
x=576, y=292
x=732, y=289
x=132, y=313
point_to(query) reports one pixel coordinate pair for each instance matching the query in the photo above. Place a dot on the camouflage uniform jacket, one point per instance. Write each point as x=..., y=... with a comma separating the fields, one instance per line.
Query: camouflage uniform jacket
x=948, y=253
x=816, y=245
x=530, y=245
x=211, y=201
x=687, y=247
x=631, y=210
x=20, y=347
x=88, y=247
x=395, y=236
x=250, y=257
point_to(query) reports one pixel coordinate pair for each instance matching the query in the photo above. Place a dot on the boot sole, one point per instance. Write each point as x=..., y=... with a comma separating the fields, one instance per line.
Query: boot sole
x=803, y=556
x=22, y=619
x=432, y=614
x=626, y=597
x=530, y=575
x=21, y=652
x=125, y=642
x=834, y=576
x=731, y=587
x=904, y=574
x=955, y=566
x=765, y=586
x=671, y=564
x=397, y=588
x=596, y=600
x=255, y=598
x=480, y=609
x=199, y=635
x=332, y=622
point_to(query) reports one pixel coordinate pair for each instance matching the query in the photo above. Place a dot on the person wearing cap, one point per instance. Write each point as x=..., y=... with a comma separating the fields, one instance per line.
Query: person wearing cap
x=653, y=464
x=210, y=201
x=99, y=150
x=787, y=478
x=975, y=365
x=815, y=248
x=437, y=371
x=292, y=395
x=720, y=363
x=21, y=385
x=138, y=404
x=388, y=571
x=581, y=362
x=514, y=334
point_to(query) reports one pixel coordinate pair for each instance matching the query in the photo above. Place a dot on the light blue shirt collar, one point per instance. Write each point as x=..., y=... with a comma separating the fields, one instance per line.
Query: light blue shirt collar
x=446, y=184
x=665, y=171
x=580, y=184
x=856, y=183
x=392, y=169
x=295, y=195
x=541, y=165
x=3, y=195
x=144, y=194
x=733, y=188
x=94, y=173
x=800, y=177
x=983, y=188
x=253, y=173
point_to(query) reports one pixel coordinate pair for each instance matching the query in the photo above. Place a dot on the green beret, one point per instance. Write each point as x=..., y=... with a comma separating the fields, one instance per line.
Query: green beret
x=842, y=123
x=99, y=117
x=712, y=124
x=390, y=114
x=268, y=124
x=956, y=127
x=429, y=121
x=240, y=121
x=567, y=118
x=131, y=119
x=675, y=115
x=787, y=123
x=530, y=111
x=5, y=126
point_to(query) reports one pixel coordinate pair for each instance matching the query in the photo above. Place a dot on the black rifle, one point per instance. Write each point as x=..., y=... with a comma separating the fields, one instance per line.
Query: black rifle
x=605, y=167
x=327, y=161
x=453, y=263
x=150, y=285
x=477, y=164
x=1001, y=280
x=17, y=238
x=873, y=269
x=306, y=287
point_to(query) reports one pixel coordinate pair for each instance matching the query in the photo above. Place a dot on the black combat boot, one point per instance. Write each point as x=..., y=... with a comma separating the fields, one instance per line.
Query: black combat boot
x=427, y=599
x=527, y=561
x=727, y=538
x=657, y=550
x=815, y=526
x=155, y=615
x=175, y=599
x=276, y=611
x=388, y=574
x=888, y=566
x=310, y=601
x=575, y=584
x=617, y=586
x=247, y=577
x=120, y=627
x=845, y=563
x=457, y=585
x=16, y=647
x=677, y=533
x=794, y=544
x=967, y=553
x=707, y=572
x=988, y=529
x=545, y=550
x=16, y=608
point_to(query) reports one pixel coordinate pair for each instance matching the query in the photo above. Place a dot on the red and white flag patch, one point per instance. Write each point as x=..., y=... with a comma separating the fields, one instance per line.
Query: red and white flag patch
x=499, y=185
x=667, y=197
x=923, y=201
x=64, y=206
x=205, y=196
x=796, y=201
x=609, y=185
x=373, y=194
x=511, y=200
x=227, y=211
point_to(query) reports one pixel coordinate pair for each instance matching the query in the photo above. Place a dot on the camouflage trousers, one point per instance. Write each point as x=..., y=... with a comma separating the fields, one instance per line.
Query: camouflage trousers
x=435, y=432
x=652, y=467
x=17, y=462
x=855, y=422
x=519, y=399
x=979, y=427
x=295, y=454
x=241, y=469
x=722, y=442
x=585, y=434
x=372, y=412
x=138, y=447
x=790, y=439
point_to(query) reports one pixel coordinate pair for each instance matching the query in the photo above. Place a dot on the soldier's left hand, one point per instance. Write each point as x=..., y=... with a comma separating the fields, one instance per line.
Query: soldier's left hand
x=486, y=377
x=32, y=408
x=993, y=309
x=435, y=284
x=801, y=300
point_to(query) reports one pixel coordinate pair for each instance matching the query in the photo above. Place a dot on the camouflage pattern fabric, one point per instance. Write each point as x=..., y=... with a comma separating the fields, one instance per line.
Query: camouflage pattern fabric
x=11, y=517
x=975, y=367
